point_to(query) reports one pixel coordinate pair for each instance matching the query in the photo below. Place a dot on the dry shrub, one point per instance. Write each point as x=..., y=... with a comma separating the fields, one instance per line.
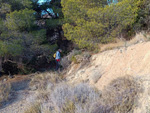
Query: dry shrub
x=66, y=61
x=69, y=107
x=44, y=84
x=84, y=57
x=100, y=107
x=5, y=90
x=36, y=108
x=121, y=95
x=118, y=43
x=78, y=99
x=44, y=81
x=76, y=57
x=74, y=60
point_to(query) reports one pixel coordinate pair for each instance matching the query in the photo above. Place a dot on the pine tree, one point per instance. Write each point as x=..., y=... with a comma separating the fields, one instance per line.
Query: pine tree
x=90, y=22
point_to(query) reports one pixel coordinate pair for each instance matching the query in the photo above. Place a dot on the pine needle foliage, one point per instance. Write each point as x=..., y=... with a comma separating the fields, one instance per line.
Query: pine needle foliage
x=90, y=22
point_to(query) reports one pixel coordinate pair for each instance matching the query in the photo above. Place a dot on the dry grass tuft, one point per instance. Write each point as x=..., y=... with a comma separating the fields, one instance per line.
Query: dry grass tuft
x=67, y=99
x=69, y=107
x=141, y=37
x=5, y=89
x=36, y=108
x=44, y=84
x=44, y=81
x=117, y=44
x=119, y=96
x=67, y=60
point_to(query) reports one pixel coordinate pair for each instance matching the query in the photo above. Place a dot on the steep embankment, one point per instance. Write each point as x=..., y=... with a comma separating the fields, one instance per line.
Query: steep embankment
x=106, y=66
x=109, y=65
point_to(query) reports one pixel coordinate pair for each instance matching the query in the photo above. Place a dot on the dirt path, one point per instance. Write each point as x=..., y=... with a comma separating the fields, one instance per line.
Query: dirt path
x=19, y=100
x=19, y=104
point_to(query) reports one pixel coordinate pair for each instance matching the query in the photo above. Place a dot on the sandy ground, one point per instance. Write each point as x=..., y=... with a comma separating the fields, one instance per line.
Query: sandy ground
x=134, y=61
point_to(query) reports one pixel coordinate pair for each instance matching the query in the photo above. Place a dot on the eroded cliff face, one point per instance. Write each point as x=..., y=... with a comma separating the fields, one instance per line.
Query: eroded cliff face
x=104, y=67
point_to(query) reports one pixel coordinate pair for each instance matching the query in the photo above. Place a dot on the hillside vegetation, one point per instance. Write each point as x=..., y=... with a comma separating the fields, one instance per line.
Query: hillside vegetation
x=92, y=22
x=105, y=57
x=31, y=32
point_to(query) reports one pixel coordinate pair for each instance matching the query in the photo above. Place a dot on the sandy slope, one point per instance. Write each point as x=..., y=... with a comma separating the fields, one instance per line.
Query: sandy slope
x=109, y=65
x=133, y=60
